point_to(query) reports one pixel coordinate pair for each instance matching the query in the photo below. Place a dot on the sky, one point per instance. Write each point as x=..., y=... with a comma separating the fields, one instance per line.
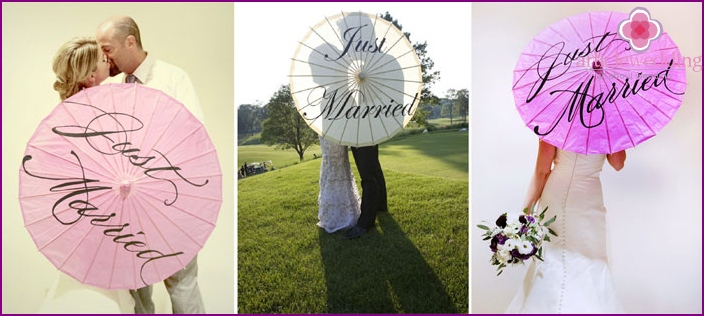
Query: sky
x=267, y=34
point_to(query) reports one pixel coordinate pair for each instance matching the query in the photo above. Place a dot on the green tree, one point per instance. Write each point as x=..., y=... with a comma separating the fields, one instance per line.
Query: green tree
x=429, y=76
x=456, y=104
x=462, y=100
x=449, y=108
x=249, y=119
x=284, y=127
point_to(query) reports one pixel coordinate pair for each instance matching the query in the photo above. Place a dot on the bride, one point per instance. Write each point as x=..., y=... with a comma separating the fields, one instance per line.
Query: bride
x=338, y=200
x=575, y=276
x=80, y=64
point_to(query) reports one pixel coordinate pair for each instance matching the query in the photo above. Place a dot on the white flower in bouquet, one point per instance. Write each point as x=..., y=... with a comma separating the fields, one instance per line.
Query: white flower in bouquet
x=503, y=255
x=513, y=225
x=509, y=244
x=525, y=247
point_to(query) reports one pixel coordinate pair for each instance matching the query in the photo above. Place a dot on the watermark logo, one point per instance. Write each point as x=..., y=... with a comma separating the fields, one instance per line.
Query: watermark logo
x=640, y=29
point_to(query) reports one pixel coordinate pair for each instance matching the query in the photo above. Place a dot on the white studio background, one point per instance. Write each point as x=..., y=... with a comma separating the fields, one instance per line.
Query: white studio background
x=195, y=37
x=654, y=203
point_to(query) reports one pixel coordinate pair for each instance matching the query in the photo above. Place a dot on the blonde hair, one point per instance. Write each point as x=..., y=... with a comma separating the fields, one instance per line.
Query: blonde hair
x=73, y=65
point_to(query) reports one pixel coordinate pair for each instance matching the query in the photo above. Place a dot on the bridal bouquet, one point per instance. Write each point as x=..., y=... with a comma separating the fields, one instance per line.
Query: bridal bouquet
x=517, y=237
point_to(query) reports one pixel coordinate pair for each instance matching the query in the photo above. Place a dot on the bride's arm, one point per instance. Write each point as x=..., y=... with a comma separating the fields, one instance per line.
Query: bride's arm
x=617, y=159
x=543, y=167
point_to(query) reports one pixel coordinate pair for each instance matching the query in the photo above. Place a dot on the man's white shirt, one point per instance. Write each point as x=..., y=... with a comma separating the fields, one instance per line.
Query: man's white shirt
x=168, y=78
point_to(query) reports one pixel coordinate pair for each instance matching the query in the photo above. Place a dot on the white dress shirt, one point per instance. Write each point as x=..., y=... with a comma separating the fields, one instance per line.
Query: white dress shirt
x=171, y=80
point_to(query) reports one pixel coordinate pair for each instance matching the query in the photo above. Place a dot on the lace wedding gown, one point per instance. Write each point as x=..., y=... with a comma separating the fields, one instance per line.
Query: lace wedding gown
x=338, y=198
x=575, y=276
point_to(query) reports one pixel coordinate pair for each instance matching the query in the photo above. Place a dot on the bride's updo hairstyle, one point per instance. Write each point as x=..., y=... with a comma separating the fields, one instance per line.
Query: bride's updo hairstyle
x=73, y=65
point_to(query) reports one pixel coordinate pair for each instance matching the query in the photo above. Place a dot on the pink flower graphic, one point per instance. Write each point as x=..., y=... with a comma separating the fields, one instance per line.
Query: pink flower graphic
x=639, y=30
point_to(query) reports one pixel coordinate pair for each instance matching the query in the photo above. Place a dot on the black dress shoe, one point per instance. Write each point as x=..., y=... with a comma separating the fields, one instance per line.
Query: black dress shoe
x=355, y=232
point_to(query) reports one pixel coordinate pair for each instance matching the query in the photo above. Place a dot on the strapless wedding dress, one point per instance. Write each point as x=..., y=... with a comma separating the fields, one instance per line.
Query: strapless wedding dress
x=575, y=276
x=338, y=200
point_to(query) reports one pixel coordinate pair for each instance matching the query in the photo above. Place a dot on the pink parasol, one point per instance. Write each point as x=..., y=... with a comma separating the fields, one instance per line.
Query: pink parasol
x=599, y=82
x=120, y=186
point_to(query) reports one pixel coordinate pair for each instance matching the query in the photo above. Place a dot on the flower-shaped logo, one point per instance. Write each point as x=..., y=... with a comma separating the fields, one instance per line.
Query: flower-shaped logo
x=639, y=30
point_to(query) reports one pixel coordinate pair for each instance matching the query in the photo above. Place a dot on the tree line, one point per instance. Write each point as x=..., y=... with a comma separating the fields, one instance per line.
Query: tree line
x=250, y=118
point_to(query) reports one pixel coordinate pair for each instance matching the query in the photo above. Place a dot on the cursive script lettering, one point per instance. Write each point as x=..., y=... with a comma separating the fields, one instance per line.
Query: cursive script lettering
x=354, y=41
x=336, y=107
x=73, y=187
x=584, y=103
x=99, y=137
x=78, y=189
x=555, y=62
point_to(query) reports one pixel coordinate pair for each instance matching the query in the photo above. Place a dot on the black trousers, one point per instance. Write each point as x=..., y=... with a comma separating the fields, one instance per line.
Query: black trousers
x=373, y=184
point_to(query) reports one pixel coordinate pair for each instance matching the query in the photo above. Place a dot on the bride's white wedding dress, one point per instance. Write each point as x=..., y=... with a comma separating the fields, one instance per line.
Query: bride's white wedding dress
x=338, y=200
x=575, y=276
x=68, y=296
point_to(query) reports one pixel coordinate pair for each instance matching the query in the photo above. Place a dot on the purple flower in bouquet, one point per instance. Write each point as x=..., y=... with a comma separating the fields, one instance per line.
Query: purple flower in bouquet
x=501, y=221
x=516, y=254
x=526, y=219
x=534, y=251
x=524, y=229
x=496, y=241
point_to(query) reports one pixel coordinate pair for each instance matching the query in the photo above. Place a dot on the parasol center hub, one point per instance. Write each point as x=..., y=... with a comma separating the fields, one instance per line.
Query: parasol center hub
x=125, y=188
x=597, y=67
x=360, y=77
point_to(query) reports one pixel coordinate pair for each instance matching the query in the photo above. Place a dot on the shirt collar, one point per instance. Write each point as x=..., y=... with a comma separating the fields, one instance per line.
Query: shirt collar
x=142, y=70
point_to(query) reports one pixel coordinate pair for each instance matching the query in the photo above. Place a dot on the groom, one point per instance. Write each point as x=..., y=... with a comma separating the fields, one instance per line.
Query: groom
x=120, y=40
x=373, y=189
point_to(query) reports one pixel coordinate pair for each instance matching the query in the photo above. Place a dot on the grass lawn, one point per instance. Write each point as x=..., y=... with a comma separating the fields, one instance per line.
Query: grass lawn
x=280, y=158
x=414, y=261
x=441, y=154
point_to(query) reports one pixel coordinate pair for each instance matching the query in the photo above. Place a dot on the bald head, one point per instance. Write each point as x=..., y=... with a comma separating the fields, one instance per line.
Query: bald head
x=118, y=28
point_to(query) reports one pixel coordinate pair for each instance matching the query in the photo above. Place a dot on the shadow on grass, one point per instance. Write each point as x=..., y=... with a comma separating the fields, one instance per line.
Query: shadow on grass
x=380, y=272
